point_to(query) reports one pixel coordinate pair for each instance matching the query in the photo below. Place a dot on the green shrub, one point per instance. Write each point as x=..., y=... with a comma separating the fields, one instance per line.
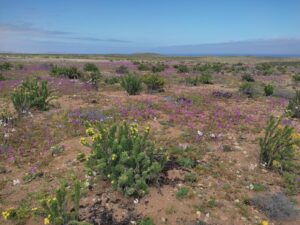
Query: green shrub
x=290, y=183
x=248, y=78
x=143, y=67
x=185, y=162
x=196, y=80
x=277, y=148
x=182, y=68
x=31, y=94
x=132, y=83
x=91, y=67
x=58, y=208
x=68, y=72
x=264, y=68
x=94, y=78
x=122, y=70
x=159, y=67
x=146, y=221
x=294, y=105
x=112, y=80
x=182, y=193
x=6, y=66
x=2, y=77
x=125, y=156
x=282, y=69
x=296, y=77
x=247, y=88
x=154, y=82
x=205, y=79
x=269, y=89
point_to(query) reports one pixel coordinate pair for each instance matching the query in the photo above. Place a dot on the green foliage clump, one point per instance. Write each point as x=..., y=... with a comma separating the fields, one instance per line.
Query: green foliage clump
x=290, y=183
x=294, y=105
x=208, y=67
x=6, y=66
x=2, y=77
x=58, y=208
x=143, y=67
x=68, y=72
x=186, y=162
x=159, y=67
x=154, y=82
x=94, y=78
x=91, y=67
x=132, y=83
x=122, y=70
x=182, y=193
x=269, y=89
x=247, y=88
x=125, y=156
x=146, y=221
x=278, y=147
x=182, y=68
x=112, y=80
x=247, y=77
x=31, y=94
x=196, y=80
x=296, y=77
x=264, y=68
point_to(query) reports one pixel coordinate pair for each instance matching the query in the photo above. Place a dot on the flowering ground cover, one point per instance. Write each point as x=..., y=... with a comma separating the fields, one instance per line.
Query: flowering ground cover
x=187, y=155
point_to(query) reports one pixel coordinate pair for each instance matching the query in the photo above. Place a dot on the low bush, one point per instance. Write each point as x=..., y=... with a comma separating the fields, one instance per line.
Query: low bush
x=6, y=66
x=294, y=105
x=247, y=88
x=2, y=77
x=196, y=80
x=143, y=67
x=182, y=193
x=125, y=156
x=296, y=77
x=154, y=82
x=122, y=70
x=279, y=145
x=94, y=79
x=248, y=78
x=31, y=94
x=57, y=209
x=112, y=80
x=91, y=67
x=269, y=89
x=182, y=68
x=159, y=67
x=68, y=72
x=264, y=68
x=132, y=83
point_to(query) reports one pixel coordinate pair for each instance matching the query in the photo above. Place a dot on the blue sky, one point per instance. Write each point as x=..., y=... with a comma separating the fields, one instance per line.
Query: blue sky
x=127, y=26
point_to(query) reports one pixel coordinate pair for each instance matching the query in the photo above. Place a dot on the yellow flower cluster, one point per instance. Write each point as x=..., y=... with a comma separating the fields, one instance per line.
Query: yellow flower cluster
x=47, y=219
x=133, y=129
x=264, y=222
x=90, y=131
x=113, y=157
x=96, y=137
x=147, y=129
x=7, y=213
x=83, y=141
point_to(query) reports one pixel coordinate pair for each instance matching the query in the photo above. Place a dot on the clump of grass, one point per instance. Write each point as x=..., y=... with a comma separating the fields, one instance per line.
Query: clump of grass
x=181, y=68
x=186, y=162
x=132, y=83
x=269, y=89
x=112, y=80
x=90, y=67
x=31, y=94
x=182, y=193
x=146, y=221
x=68, y=72
x=247, y=77
x=154, y=82
x=296, y=77
x=248, y=89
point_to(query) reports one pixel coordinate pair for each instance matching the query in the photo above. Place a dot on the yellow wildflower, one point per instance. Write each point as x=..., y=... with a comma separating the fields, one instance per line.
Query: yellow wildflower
x=96, y=137
x=264, y=222
x=46, y=221
x=276, y=164
x=90, y=131
x=83, y=141
x=113, y=157
x=6, y=214
x=34, y=209
x=147, y=129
